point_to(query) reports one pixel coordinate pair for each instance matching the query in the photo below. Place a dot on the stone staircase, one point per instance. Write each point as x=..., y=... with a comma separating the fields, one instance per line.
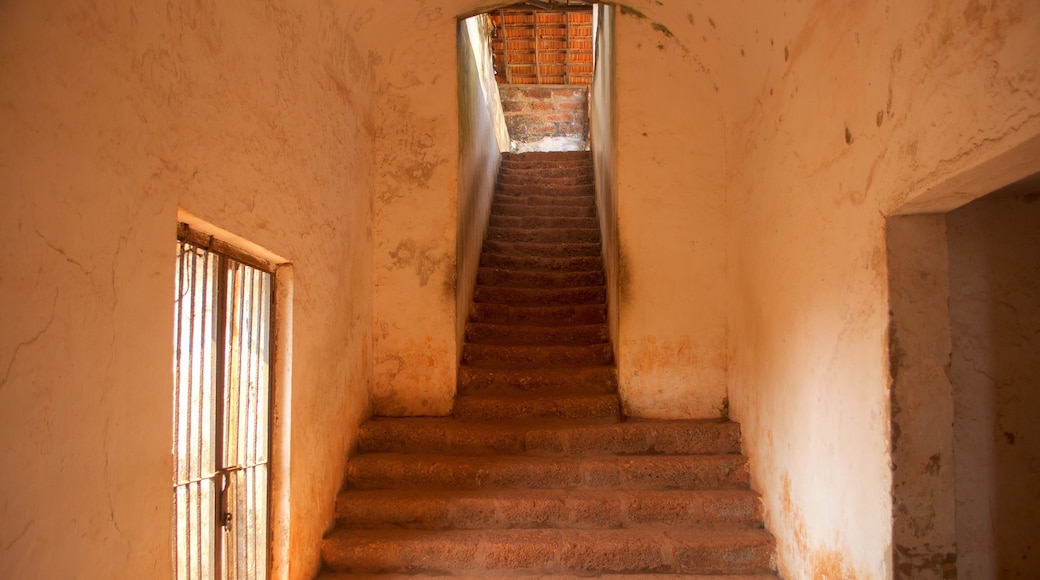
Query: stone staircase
x=537, y=473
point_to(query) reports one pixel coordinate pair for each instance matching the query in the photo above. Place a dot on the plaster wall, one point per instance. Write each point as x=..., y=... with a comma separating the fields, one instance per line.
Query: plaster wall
x=482, y=138
x=843, y=114
x=254, y=117
x=995, y=319
x=671, y=343
x=603, y=143
x=924, y=533
x=415, y=205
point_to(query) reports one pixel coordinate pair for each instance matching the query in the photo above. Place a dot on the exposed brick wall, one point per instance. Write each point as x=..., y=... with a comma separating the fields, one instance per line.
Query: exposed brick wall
x=541, y=118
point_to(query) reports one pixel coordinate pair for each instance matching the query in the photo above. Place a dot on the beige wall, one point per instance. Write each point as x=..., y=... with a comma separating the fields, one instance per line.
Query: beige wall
x=415, y=205
x=603, y=143
x=995, y=319
x=671, y=222
x=254, y=117
x=482, y=138
x=924, y=533
x=848, y=112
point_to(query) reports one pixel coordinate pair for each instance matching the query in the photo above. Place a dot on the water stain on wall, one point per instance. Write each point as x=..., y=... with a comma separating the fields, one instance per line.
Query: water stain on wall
x=423, y=258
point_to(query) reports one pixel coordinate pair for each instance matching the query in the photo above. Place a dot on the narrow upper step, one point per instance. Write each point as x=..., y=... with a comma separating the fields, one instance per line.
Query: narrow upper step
x=517, y=334
x=543, y=382
x=497, y=404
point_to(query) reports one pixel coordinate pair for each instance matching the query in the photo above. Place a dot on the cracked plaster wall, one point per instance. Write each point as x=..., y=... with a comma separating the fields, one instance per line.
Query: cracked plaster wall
x=995, y=320
x=254, y=117
x=842, y=114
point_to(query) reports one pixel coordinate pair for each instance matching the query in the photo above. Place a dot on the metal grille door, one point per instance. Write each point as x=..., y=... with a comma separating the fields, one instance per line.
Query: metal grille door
x=221, y=413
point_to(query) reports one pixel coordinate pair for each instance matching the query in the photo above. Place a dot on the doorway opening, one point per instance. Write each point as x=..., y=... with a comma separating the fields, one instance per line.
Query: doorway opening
x=965, y=330
x=222, y=404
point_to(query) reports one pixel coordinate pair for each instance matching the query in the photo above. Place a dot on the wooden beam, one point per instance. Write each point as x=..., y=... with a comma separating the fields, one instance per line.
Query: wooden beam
x=505, y=48
x=537, y=51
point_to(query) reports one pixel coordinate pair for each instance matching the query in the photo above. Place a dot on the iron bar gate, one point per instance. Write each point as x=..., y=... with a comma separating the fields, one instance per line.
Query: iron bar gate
x=221, y=410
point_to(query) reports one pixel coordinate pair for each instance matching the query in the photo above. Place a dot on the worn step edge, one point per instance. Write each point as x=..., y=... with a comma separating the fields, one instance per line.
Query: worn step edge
x=542, y=436
x=543, y=249
x=714, y=549
x=561, y=265
x=529, y=334
x=522, y=356
x=594, y=380
x=539, y=508
x=412, y=471
x=494, y=405
x=527, y=210
x=535, y=576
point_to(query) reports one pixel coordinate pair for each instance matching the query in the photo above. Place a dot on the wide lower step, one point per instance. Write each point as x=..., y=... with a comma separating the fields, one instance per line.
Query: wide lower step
x=576, y=264
x=483, y=575
x=537, y=335
x=543, y=222
x=533, y=356
x=708, y=550
x=540, y=508
x=600, y=379
x=513, y=404
x=542, y=315
x=542, y=249
x=549, y=211
x=414, y=471
x=548, y=436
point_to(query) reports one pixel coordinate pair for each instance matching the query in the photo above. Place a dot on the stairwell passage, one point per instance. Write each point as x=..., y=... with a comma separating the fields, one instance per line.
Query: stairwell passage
x=537, y=473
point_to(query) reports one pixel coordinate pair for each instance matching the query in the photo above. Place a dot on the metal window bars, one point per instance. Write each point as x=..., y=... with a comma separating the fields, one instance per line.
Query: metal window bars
x=221, y=411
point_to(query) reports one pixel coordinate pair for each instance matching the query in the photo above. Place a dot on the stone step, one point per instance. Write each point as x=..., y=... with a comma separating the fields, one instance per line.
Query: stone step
x=525, y=209
x=524, y=179
x=544, y=199
x=514, y=404
x=519, y=187
x=417, y=471
x=544, y=171
x=515, y=334
x=540, y=296
x=559, y=315
x=530, y=163
x=542, y=250
x=547, y=157
x=535, y=356
x=596, y=379
x=539, y=508
x=708, y=549
x=543, y=222
x=554, y=235
x=455, y=436
x=577, y=264
x=535, y=576
x=538, y=278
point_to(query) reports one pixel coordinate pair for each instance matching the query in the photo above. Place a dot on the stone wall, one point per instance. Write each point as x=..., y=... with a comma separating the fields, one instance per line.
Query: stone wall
x=543, y=118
